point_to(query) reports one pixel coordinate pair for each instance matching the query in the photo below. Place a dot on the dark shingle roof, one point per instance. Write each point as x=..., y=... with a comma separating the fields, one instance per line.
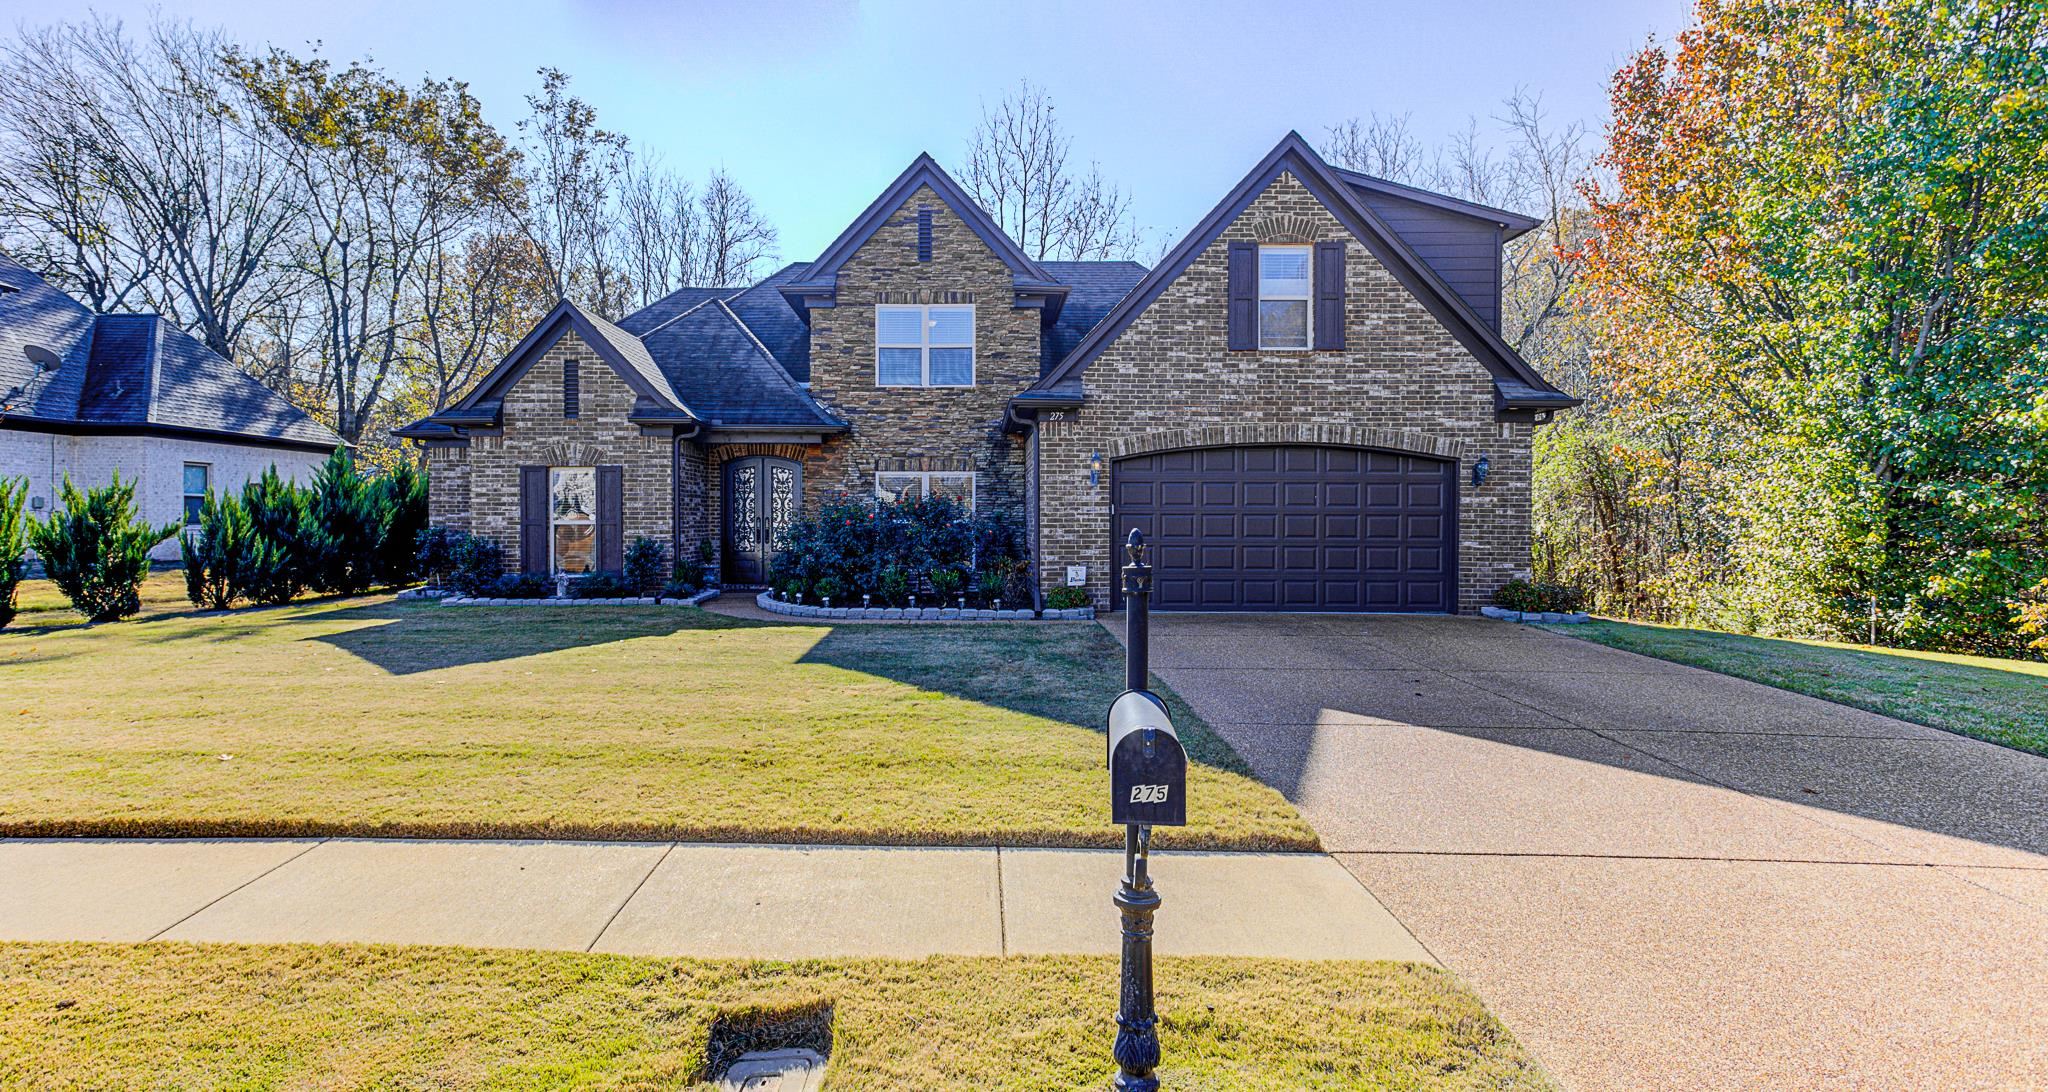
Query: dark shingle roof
x=726, y=376
x=129, y=371
x=1095, y=287
x=640, y=322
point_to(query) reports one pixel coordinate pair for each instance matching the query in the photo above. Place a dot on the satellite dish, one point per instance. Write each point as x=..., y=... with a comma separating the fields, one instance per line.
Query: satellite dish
x=49, y=361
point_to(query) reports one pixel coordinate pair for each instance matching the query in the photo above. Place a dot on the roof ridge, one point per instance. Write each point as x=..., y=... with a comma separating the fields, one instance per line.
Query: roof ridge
x=708, y=299
x=775, y=365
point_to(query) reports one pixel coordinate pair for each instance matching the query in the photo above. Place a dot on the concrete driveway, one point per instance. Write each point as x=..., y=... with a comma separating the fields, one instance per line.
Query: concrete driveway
x=1659, y=877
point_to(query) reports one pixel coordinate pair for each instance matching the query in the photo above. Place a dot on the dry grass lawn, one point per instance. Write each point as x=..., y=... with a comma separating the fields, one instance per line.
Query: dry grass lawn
x=373, y=717
x=231, y=1016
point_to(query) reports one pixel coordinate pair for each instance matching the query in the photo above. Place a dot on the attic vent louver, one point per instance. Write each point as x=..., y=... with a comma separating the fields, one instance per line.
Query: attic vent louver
x=924, y=233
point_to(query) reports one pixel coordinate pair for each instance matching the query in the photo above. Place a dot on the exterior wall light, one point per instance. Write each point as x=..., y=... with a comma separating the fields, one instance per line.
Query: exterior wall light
x=1094, y=469
x=1480, y=470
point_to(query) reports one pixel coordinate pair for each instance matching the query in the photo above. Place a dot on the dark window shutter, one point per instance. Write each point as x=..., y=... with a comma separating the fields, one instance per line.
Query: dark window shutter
x=572, y=389
x=1330, y=295
x=611, y=546
x=533, y=519
x=924, y=234
x=1244, y=295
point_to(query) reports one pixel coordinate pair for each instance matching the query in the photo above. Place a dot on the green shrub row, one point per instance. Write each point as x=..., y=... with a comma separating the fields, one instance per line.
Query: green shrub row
x=472, y=565
x=341, y=534
x=1536, y=596
x=884, y=553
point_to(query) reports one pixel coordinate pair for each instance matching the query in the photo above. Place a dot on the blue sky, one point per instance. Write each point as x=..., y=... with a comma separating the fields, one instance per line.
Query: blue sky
x=815, y=106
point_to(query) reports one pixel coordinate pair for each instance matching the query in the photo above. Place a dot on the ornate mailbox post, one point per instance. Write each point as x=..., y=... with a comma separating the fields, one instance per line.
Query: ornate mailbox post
x=1148, y=787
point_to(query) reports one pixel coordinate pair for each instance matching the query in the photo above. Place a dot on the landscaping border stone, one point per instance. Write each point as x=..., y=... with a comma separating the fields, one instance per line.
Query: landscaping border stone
x=767, y=602
x=1536, y=617
x=448, y=600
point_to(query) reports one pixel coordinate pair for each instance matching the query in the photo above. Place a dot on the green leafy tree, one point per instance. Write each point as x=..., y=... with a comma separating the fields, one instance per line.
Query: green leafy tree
x=218, y=553
x=13, y=541
x=96, y=550
x=1825, y=244
x=280, y=543
x=343, y=528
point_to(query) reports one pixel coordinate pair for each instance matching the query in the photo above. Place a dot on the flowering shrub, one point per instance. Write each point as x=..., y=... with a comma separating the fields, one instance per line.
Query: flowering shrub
x=891, y=551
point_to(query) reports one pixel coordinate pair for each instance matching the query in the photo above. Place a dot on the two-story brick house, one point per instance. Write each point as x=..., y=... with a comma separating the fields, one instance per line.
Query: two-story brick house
x=1306, y=405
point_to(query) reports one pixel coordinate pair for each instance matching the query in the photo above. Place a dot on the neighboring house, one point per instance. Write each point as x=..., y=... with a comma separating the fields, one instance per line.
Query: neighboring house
x=1295, y=405
x=84, y=395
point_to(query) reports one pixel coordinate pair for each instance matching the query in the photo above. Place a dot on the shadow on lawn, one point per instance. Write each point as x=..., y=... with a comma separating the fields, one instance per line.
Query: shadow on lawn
x=405, y=638
x=1063, y=673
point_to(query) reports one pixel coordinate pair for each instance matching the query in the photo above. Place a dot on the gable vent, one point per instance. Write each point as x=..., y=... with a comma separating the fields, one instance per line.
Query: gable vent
x=924, y=233
x=572, y=390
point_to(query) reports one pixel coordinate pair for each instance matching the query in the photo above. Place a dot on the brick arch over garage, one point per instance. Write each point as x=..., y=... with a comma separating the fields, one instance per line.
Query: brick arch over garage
x=1405, y=441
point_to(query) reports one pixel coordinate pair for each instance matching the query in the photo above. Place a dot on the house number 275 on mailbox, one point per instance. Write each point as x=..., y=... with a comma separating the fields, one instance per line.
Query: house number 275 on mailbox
x=1150, y=794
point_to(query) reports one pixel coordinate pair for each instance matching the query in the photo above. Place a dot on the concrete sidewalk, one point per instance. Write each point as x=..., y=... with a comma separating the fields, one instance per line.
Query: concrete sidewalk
x=682, y=899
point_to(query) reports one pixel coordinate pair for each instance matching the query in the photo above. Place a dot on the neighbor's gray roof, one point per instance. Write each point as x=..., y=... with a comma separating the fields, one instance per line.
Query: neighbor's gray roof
x=128, y=372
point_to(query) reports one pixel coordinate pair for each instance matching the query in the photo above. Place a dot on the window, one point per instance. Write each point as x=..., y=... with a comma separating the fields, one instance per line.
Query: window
x=895, y=485
x=572, y=507
x=1283, y=297
x=924, y=346
x=197, y=479
x=572, y=389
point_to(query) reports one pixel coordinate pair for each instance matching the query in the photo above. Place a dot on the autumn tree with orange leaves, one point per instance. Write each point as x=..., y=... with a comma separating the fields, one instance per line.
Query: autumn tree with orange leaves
x=1820, y=266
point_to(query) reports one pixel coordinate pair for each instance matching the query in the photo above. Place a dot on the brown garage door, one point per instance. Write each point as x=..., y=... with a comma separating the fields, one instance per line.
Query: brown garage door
x=1293, y=528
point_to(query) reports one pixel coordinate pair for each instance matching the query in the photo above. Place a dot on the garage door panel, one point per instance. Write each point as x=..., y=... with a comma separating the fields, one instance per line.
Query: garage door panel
x=1293, y=527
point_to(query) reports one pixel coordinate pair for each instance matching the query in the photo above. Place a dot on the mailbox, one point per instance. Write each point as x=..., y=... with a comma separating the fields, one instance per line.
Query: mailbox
x=1148, y=770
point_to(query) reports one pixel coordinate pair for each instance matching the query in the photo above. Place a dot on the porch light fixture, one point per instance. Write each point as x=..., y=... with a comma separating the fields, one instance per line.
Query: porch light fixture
x=1480, y=469
x=1094, y=469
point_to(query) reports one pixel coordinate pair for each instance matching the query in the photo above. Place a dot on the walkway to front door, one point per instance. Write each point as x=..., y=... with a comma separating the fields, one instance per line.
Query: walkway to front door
x=763, y=494
x=1658, y=877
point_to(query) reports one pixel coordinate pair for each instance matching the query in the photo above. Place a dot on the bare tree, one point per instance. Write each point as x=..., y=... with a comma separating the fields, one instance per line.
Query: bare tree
x=573, y=172
x=659, y=231
x=1017, y=170
x=736, y=237
x=140, y=180
x=1383, y=146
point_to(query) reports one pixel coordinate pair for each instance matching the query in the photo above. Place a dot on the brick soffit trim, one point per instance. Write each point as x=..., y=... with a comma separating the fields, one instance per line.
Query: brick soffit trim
x=1408, y=441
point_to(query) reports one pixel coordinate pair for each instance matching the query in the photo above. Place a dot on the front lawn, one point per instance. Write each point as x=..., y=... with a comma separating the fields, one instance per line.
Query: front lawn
x=375, y=717
x=2004, y=701
x=214, y=1016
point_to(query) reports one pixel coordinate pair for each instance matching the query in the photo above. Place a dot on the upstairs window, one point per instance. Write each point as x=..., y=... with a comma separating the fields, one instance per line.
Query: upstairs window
x=1284, y=294
x=197, y=478
x=929, y=346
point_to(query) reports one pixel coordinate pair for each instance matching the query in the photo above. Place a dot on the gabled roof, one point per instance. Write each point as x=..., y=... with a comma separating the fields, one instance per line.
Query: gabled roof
x=127, y=374
x=728, y=377
x=821, y=280
x=1511, y=224
x=626, y=355
x=1093, y=289
x=1517, y=384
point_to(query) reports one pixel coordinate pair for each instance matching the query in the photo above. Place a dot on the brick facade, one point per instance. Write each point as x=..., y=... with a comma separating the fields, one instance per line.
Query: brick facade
x=482, y=480
x=1402, y=382
x=922, y=428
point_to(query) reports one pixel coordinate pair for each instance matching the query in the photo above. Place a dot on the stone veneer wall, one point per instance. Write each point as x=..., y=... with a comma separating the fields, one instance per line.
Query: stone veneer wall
x=1402, y=382
x=922, y=428
x=482, y=480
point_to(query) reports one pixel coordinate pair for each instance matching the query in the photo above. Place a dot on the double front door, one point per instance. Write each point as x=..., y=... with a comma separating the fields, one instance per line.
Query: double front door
x=763, y=495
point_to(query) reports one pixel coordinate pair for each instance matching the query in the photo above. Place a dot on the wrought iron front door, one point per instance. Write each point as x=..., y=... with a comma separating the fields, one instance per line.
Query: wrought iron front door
x=763, y=494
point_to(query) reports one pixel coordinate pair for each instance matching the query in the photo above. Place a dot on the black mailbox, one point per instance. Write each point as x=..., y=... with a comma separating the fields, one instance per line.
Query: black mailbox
x=1148, y=770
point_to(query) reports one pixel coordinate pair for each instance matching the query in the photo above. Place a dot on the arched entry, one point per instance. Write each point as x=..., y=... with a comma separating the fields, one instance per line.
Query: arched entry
x=763, y=494
x=1292, y=527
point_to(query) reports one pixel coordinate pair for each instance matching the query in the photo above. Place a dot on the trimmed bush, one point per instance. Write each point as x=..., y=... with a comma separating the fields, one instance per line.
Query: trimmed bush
x=218, y=553
x=890, y=551
x=13, y=542
x=600, y=586
x=96, y=550
x=646, y=565
x=1524, y=595
x=696, y=571
x=1065, y=598
x=474, y=563
x=520, y=586
x=280, y=539
x=679, y=589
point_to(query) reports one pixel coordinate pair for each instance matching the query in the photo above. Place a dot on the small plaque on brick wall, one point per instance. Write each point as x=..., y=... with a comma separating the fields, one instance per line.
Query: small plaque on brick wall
x=1077, y=575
